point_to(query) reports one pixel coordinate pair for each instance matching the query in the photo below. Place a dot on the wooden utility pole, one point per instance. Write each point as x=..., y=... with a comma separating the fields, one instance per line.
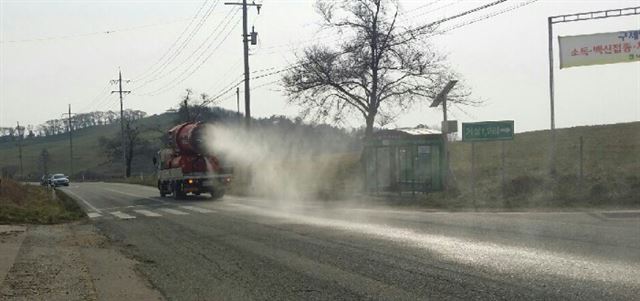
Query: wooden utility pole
x=19, y=135
x=246, y=37
x=124, y=144
x=238, y=100
x=70, y=129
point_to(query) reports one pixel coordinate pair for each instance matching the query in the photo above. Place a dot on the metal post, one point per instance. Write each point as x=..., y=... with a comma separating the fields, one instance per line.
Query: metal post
x=445, y=148
x=503, y=170
x=473, y=173
x=581, y=170
x=552, y=158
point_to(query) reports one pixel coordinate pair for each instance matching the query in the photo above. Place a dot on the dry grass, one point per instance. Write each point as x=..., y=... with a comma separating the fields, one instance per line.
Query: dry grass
x=23, y=203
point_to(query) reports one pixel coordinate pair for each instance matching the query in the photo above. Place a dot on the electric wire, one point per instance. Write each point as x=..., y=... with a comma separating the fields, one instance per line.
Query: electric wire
x=190, y=73
x=176, y=53
x=142, y=75
x=81, y=35
x=185, y=60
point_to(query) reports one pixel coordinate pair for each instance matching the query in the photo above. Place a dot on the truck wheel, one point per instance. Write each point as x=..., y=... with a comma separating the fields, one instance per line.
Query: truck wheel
x=216, y=194
x=177, y=191
x=163, y=191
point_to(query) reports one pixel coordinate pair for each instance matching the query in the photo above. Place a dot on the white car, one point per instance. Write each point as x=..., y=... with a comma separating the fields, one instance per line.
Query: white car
x=59, y=180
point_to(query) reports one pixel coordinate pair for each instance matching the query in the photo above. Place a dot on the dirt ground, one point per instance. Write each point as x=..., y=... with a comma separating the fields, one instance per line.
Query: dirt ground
x=66, y=262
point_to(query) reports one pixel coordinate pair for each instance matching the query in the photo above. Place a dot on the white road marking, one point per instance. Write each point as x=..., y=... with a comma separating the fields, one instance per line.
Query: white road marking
x=122, y=215
x=197, y=209
x=93, y=214
x=173, y=211
x=83, y=200
x=147, y=213
x=134, y=195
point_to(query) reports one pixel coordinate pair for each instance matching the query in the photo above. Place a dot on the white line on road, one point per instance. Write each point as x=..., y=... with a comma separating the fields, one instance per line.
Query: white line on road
x=147, y=213
x=122, y=215
x=134, y=195
x=173, y=211
x=93, y=214
x=83, y=200
x=197, y=209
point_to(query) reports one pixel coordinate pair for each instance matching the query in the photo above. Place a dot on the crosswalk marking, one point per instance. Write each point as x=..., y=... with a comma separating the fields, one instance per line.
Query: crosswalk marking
x=173, y=211
x=147, y=213
x=197, y=209
x=122, y=215
x=93, y=214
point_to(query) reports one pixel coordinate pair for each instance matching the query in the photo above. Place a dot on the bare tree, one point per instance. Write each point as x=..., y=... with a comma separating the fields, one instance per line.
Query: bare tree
x=43, y=161
x=135, y=144
x=379, y=68
x=189, y=111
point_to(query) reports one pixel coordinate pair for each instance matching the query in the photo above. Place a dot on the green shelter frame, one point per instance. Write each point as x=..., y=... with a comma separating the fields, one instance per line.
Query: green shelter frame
x=404, y=160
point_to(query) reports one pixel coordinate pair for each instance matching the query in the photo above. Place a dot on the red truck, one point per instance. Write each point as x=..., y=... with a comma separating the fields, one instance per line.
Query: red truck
x=189, y=166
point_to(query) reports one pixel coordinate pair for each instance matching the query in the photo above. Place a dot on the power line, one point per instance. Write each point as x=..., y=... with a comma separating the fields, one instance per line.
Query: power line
x=184, y=43
x=488, y=16
x=186, y=71
x=215, y=33
x=176, y=41
x=449, y=4
x=96, y=98
x=81, y=35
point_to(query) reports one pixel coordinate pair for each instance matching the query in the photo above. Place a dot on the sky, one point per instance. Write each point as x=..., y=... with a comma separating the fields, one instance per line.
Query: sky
x=56, y=53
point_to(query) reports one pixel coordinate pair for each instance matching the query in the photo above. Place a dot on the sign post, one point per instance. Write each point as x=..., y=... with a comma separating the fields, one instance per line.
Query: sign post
x=584, y=16
x=487, y=131
x=442, y=98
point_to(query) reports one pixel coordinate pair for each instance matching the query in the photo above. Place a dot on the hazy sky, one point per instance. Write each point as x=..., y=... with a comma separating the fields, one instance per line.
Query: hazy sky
x=55, y=53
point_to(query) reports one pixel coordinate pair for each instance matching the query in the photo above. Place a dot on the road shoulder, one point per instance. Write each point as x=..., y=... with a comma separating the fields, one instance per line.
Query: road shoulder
x=69, y=262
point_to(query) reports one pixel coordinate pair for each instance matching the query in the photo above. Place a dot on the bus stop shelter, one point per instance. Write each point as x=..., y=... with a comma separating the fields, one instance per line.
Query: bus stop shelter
x=405, y=160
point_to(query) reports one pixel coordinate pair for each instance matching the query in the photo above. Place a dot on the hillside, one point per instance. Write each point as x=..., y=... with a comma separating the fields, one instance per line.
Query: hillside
x=90, y=161
x=88, y=157
x=611, y=166
x=611, y=161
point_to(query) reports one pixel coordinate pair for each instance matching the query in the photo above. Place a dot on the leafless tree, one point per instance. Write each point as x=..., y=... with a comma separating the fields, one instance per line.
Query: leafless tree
x=135, y=144
x=379, y=68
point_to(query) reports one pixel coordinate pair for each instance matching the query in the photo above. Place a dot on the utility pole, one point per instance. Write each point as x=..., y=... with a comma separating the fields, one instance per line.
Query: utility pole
x=19, y=135
x=124, y=144
x=441, y=98
x=70, y=129
x=245, y=40
x=238, y=100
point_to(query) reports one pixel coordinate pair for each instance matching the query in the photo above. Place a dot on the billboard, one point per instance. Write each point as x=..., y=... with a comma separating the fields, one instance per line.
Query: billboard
x=599, y=48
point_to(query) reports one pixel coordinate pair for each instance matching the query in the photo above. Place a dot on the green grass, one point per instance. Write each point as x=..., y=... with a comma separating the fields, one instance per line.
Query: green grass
x=611, y=171
x=88, y=157
x=24, y=203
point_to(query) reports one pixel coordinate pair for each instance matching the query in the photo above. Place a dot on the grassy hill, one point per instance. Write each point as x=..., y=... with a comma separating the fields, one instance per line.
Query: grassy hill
x=88, y=157
x=611, y=168
x=611, y=165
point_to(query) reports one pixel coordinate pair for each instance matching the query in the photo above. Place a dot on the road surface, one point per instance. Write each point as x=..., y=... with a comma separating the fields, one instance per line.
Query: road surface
x=252, y=249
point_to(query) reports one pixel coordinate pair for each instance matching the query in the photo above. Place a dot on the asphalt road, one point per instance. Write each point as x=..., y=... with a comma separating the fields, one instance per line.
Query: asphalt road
x=252, y=249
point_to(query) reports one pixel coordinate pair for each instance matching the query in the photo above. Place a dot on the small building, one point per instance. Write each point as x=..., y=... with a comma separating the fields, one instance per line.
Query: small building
x=404, y=160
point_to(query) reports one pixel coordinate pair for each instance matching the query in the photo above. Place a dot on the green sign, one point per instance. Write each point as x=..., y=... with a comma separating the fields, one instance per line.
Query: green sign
x=487, y=131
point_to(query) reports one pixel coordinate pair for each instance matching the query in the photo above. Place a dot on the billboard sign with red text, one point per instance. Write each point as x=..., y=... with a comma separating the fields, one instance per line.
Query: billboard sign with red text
x=600, y=48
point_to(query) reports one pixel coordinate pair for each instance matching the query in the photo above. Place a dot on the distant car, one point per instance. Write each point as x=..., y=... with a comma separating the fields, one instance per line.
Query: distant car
x=59, y=180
